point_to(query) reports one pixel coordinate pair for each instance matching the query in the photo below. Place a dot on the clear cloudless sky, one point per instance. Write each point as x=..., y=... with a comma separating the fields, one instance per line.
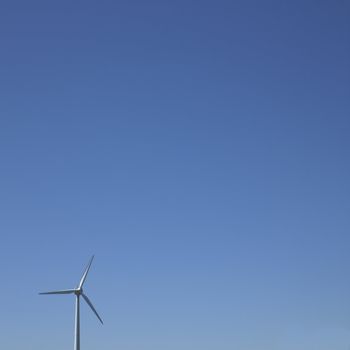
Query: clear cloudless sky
x=200, y=149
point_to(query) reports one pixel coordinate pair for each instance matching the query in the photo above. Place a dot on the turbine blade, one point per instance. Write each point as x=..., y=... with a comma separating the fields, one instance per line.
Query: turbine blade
x=81, y=283
x=92, y=307
x=67, y=291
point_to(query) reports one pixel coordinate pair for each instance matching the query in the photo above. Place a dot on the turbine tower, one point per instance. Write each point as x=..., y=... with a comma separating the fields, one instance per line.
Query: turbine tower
x=78, y=291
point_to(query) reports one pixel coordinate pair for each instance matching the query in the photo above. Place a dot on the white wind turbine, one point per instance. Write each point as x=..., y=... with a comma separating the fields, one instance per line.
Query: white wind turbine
x=78, y=291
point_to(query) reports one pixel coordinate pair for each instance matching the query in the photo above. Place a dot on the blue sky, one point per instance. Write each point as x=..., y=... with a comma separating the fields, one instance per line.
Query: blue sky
x=200, y=149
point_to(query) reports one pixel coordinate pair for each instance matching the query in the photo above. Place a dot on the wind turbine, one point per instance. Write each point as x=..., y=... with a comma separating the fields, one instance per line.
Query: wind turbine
x=78, y=291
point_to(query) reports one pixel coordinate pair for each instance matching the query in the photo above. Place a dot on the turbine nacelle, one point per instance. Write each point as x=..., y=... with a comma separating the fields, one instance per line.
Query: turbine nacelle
x=78, y=291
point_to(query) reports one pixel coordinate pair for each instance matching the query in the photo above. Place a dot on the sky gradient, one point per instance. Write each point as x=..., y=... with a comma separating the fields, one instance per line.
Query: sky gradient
x=200, y=149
